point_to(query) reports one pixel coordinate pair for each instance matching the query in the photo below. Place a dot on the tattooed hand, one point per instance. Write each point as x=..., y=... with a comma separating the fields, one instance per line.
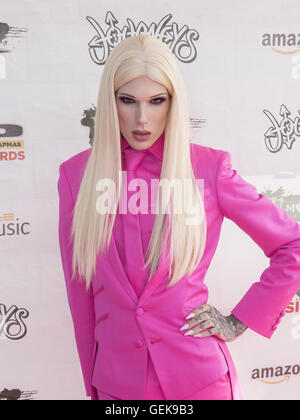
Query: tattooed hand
x=206, y=320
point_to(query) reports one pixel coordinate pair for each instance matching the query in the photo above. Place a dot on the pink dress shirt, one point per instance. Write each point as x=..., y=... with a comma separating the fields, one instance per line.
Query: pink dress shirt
x=144, y=164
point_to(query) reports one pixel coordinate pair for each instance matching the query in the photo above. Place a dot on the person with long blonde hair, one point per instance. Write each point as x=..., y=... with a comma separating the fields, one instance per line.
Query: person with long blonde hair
x=140, y=215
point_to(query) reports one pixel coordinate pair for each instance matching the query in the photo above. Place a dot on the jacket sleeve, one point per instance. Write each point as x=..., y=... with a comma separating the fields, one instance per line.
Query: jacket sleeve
x=276, y=233
x=80, y=301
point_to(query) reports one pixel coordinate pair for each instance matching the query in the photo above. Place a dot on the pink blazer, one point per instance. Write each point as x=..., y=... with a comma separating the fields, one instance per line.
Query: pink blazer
x=114, y=328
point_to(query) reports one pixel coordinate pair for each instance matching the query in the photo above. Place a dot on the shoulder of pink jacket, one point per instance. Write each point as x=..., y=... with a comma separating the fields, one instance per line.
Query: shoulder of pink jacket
x=205, y=160
x=76, y=161
x=73, y=168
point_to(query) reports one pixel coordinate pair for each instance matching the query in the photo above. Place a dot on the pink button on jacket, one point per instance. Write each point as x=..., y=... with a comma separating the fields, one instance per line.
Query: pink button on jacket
x=114, y=326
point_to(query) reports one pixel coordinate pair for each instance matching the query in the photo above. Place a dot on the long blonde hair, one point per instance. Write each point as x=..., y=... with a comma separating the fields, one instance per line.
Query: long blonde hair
x=142, y=55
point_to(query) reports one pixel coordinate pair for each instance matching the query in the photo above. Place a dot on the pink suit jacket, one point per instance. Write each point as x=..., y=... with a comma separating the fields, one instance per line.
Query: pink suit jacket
x=114, y=327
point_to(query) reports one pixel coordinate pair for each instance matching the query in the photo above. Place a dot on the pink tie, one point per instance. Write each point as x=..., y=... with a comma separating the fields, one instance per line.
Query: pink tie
x=131, y=227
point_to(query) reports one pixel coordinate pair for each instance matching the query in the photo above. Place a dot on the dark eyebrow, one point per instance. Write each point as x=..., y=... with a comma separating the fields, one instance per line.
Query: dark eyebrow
x=131, y=96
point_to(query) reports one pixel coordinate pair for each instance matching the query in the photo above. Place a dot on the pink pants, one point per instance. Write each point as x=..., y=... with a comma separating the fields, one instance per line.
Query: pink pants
x=219, y=390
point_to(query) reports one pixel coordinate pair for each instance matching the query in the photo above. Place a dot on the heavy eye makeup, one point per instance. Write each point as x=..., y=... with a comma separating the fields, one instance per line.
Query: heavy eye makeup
x=154, y=101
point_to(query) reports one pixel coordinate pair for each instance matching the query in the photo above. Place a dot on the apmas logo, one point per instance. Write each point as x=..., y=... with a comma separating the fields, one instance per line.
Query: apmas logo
x=11, y=150
x=179, y=40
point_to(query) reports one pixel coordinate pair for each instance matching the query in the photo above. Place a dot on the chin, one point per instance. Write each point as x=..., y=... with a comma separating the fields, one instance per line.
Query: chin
x=141, y=145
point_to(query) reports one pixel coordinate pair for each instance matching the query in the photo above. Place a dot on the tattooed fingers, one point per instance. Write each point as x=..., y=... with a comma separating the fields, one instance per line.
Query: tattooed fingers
x=199, y=325
x=199, y=310
x=197, y=319
x=206, y=320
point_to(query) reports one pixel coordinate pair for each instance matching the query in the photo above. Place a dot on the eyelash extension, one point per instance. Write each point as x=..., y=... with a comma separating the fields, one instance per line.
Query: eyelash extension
x=124, y=99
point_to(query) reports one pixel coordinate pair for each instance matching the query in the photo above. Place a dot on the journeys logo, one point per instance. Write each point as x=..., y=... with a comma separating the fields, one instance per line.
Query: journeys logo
x=284, y=131
x=282, y=43
x=179, y=40
x=14, y=227
x=12, y=324
x=275, y=374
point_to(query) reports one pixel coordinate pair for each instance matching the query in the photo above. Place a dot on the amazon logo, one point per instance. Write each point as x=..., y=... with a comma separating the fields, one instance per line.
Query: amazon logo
x=275, y=375
x=282, y=43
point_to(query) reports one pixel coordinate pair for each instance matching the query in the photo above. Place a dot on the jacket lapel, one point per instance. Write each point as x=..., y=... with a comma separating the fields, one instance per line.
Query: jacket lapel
x=122, y=277
x=160, y=274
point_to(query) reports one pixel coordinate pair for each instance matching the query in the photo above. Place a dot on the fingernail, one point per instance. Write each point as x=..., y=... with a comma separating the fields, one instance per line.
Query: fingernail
x=184, y=327
x=190, y=315
x=189, y=332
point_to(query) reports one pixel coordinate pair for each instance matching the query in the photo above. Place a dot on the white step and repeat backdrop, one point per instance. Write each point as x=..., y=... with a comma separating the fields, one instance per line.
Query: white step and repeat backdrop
x=241, y=64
